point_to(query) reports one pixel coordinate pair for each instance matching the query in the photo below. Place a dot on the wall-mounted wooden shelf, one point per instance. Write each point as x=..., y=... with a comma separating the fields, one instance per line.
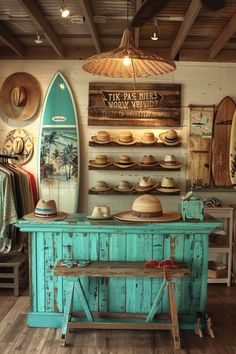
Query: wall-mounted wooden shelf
x=138, y=144
x=134, y=168
x=133, y=192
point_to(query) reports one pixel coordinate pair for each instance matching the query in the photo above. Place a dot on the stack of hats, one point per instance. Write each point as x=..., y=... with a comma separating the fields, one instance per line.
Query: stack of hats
x=169, y=137
x=102, y=137
x=126, y=138
x=212, y=202
x=124, y=162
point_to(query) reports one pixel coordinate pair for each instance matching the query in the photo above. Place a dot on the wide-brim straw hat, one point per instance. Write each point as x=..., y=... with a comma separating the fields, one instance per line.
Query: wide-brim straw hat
x=147, y=208
x=169, y=162
x=126, y=184
x=146, y=161
x=141, y=187
x=98, y=161
x=102, y=137
x=100, y=212
x=123, y=136
x=168, y=186
x=45, y=212
x=20, y=96
x=164, y=138
x=147, y=142
x=101, y=186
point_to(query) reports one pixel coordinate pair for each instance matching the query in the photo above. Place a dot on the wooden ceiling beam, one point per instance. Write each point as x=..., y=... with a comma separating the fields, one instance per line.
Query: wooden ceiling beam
x=87, y=13
x=223, y=38
x=11, y=41
x=137, y=29
x=202, y=55
x=190, y=16
x=36, y=15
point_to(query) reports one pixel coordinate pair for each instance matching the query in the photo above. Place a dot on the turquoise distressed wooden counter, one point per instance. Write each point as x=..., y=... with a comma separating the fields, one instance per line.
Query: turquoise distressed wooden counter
x=79, y=238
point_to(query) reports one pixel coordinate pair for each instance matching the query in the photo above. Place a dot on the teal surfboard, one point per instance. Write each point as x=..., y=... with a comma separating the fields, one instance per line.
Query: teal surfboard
x=59, y=162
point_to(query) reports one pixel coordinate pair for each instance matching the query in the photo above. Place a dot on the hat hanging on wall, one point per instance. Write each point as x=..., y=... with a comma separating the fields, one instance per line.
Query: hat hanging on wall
x=20, y=96
x=19, y=143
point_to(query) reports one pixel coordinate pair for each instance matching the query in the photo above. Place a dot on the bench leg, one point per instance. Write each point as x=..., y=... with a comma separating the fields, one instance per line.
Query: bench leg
x=174, y=316
x=156, y=302
x=67, y=312
x=84, y=300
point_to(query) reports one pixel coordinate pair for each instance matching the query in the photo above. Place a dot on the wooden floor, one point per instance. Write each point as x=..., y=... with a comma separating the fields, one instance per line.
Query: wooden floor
x=16, y=337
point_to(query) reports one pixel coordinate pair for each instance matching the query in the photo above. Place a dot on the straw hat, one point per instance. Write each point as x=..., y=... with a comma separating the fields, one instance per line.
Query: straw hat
x=126, y=138
x=123, y=186
x=102, y=137
x=170, y=162
x=19, y=142
x=100, y=161
x=20, y=96
x=100, y=186
x=148, y=138
x=145, y=184
x=100, y=212
x=148, y=160
x=169, y=137
x=147, y=208
x=168, y=185
x=124, y=162
x=46, y=211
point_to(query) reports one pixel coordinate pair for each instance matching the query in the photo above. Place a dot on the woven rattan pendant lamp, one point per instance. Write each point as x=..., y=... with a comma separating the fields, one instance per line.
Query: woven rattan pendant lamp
x=128, y=61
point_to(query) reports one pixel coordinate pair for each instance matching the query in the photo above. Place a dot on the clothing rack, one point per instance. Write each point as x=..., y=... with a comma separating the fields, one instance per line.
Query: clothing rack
x=2, y=156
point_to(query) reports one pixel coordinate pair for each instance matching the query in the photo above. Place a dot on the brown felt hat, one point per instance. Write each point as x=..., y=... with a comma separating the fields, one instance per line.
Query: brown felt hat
x=147, y=208
x=20, y=96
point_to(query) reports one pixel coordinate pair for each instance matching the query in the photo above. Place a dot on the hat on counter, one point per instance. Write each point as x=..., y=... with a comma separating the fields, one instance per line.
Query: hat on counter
x=100, y=161
x=170, y=137
x=147, y=208
x=46, y=211
x=100, y=186
x=148, y=161
x=20, y=96
x=123, y=186
x=100, y=212
x=126, y=138
x=170, y=162
x=102, y=137
x=124, y=162
x=148, y=138
x=168, y=186
x=145, y=184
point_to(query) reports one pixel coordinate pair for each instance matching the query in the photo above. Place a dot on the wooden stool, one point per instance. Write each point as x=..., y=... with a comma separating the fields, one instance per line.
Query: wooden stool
x=13, y=271
x=120, y=269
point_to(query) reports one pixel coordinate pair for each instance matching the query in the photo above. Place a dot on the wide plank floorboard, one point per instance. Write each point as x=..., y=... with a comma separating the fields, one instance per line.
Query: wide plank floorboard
x=17, y=338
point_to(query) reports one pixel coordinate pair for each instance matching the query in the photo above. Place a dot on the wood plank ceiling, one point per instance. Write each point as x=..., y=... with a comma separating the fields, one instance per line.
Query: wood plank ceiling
x=188, y=30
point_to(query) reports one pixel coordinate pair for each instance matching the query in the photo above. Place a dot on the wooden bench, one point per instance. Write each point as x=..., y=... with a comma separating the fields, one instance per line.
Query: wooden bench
x=125, y=270
x=13, y=271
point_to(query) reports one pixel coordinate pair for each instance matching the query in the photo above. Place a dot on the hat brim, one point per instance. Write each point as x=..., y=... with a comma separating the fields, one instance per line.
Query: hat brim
x=99, y=217
x=124, y=165
x=144, y=189
x=32, y=217
x=168, y=190
x=170, y=167
x=122, y=143
x=123, y=190
x=92, y=163
x=166, y=217
x=94, y=138
x=148, y=165
x=100, y=190
x=31, y=85
x=148, y=142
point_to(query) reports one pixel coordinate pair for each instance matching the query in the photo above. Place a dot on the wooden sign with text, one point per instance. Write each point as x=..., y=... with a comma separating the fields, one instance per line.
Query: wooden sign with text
x=149, y=105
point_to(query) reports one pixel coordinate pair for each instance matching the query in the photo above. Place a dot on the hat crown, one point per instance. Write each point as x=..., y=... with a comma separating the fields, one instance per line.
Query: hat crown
x=46, y=209
x=147, y=159
x=101, y=211
x=101, y=159
x=103, y=135
x=168, y=182
x=19, y=96
x=147, y=203
x=124, y=158
x=169, y=158
x=171, y=134
x=18, y=145
x=145, y=182
x=124, y=185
